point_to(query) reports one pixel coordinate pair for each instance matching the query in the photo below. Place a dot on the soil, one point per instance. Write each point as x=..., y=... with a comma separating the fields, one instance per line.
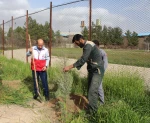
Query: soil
x=17, y=114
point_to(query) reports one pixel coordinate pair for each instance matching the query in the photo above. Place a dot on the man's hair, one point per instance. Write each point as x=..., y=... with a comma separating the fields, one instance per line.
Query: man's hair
x=96, y=42
x=77, y=37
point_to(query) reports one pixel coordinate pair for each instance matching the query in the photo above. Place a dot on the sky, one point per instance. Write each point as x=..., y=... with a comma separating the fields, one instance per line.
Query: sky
x=133, y=15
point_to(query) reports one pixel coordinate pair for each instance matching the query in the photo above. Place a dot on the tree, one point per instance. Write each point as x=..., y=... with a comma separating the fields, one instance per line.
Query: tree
x=104, y=38
x=33, y=28
x=147, y=41
x=9, y=32
x=46, y=32
x=1, y=33
x=19, y=36
x=20, y=33
x=98, y=30
x=118, y=38
x=93, y=31
x=37, y=30
x=85, y=33
x=132, y=38
x=110, y=34
x=128, y=36
x=58, y=36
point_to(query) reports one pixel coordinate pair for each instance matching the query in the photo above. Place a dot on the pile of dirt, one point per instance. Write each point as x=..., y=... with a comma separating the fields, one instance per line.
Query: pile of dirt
x=74, y=104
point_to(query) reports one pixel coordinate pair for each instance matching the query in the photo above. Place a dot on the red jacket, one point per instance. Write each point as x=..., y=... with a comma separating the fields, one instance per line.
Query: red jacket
x=41, y=58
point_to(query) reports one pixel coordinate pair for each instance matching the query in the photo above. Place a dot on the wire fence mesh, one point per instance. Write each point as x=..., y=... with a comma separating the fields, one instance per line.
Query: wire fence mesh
x=122, y=24
x=19, y=31
x=67, y=22
x=38, y=25
x=111, y=18
x=1, y=34
x=7, y=35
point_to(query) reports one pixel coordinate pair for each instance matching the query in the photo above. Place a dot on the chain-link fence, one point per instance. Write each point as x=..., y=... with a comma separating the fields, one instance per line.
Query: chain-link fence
x=67, y=22
x=115, y=24
x=1, y=37
x=38, y=25
x=121, y=23
x=19, y=32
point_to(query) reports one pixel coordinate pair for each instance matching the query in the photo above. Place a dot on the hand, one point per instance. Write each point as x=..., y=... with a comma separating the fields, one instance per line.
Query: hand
x=30, y=50
x=66, y=69
x=44, y=68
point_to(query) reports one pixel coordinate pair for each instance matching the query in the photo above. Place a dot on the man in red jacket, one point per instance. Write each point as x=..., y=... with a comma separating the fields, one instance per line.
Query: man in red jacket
x=41, y=61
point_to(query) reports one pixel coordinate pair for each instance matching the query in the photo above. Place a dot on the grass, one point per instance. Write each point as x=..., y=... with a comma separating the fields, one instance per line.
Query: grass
x=12, y=69
x=115, y=56
x=126, y=101
x=62, y=80
x=18, y=96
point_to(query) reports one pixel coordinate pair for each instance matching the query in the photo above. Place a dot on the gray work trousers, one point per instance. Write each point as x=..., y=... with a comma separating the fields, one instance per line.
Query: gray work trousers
x=94, y=81
x=101, y=93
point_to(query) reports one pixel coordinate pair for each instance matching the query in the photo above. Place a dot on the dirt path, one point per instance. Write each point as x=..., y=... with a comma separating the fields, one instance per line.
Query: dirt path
x=18, y=114
x=36, y=113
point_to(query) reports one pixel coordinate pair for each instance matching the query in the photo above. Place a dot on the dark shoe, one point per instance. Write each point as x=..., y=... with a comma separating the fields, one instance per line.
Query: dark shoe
x=35, y=96
x=47, y=98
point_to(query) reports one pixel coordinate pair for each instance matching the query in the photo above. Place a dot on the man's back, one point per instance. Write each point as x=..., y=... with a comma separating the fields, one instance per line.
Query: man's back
x=104, y=58
x=95, y=58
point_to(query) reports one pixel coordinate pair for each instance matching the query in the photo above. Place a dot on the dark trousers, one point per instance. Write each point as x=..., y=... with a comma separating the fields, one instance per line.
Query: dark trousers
x=94, y=81
x=43, y=77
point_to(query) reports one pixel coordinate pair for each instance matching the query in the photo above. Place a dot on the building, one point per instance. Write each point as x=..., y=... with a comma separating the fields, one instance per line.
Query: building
x=142, y=37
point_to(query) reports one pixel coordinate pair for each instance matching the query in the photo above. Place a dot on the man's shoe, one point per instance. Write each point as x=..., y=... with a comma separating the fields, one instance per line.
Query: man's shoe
x=35, y=96
x=47, y=98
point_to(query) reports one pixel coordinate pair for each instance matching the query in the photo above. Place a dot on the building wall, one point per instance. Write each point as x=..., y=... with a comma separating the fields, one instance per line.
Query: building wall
x=141, y=44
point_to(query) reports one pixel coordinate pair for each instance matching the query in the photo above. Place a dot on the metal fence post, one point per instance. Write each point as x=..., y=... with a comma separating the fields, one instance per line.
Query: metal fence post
x=12, y=20
x=90, y=18
x=50, y=38
x=27, y=34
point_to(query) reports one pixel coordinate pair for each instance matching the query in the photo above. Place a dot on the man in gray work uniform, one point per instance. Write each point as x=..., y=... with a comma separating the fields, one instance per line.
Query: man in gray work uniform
x=105, y=59
x=95, y=67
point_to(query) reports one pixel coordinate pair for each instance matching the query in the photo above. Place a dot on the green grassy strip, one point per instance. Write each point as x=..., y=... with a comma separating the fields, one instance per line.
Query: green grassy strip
x=12, y=69
x=115, y=56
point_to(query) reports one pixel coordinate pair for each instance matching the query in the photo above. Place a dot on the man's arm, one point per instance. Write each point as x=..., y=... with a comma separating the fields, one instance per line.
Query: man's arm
x=84, y=58
x=47, y=58
x=80, y=62
x=105, y=59
x=29, y=53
